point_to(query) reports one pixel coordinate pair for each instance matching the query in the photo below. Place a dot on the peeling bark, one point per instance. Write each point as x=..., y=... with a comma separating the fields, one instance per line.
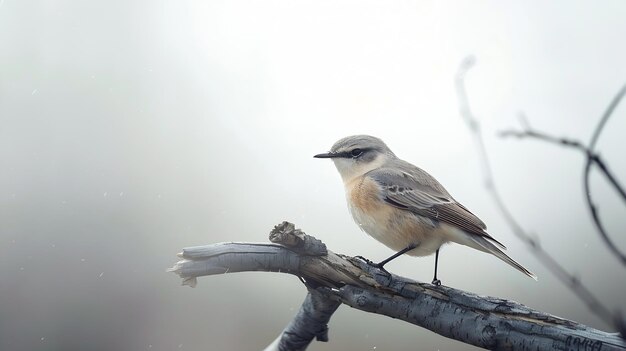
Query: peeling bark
x=486, y=322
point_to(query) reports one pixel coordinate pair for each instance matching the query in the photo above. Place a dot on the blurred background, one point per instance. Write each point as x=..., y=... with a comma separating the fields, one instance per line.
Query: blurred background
x=131, y=129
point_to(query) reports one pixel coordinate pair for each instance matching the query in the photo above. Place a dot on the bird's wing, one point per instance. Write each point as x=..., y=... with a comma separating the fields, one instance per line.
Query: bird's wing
x=412, y=189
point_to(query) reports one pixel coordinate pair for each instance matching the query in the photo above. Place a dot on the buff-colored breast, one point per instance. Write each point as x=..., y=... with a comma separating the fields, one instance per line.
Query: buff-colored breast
x=394, y=227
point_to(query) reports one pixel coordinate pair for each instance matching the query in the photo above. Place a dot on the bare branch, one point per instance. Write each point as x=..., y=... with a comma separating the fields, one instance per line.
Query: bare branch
x=605, y=117
x=592, y=156
x=486, y=322
x=591, y=159
x=569, y=280
x=310, y=322
x=528, y=132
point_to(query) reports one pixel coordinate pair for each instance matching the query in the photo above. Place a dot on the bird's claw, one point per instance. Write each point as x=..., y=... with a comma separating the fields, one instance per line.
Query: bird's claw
x=436, y=282
x=365, y=260
x=381, y=268
x=372, y=264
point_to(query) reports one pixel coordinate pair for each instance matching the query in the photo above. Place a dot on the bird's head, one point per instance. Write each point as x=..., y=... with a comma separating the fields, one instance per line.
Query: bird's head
x=358, y=154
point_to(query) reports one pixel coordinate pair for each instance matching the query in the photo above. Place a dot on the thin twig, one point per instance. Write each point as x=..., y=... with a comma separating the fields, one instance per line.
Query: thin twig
x=543, y=256
x=590, y=161
x=592, y=158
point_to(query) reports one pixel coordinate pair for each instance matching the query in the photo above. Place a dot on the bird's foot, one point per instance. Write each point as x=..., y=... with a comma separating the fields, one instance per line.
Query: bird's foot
x=381, y=267
x=436, y=282
x=369, y=262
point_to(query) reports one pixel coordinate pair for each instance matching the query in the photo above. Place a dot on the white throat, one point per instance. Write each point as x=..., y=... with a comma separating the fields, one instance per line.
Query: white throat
x=349, y=168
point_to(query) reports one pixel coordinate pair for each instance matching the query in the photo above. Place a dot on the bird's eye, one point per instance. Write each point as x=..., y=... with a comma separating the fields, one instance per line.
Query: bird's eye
x=356, y=152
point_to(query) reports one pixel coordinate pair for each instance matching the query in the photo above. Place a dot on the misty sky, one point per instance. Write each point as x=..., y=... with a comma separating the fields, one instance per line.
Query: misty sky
x=131, y=129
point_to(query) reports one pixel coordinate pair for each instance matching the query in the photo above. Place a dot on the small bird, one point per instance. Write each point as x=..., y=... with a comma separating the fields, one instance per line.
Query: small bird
x=404, y=207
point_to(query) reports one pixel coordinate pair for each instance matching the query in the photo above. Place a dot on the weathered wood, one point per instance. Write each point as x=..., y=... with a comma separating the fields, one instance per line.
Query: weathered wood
x=486, y=322
x=310, y=322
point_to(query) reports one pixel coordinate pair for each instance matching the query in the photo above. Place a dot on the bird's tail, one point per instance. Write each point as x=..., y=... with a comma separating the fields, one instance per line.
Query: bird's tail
x=484, y=244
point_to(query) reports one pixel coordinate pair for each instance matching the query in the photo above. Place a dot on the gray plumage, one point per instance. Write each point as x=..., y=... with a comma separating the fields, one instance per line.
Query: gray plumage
x=366, y=162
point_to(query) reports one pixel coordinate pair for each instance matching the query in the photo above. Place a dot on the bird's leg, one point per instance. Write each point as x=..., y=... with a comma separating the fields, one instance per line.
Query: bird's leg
x=435, y=280
x=382, y=263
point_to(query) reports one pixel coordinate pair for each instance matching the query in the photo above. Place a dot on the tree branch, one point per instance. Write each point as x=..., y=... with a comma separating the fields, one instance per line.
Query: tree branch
x=569, y=280
x=486, y=322
x=310, y=322
x=592, y=158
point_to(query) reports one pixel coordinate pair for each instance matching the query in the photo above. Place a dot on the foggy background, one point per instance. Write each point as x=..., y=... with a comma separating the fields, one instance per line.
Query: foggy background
x=131, y=129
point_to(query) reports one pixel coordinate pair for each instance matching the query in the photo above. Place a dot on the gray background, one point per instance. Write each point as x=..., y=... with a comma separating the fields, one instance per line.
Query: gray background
x=130, y=129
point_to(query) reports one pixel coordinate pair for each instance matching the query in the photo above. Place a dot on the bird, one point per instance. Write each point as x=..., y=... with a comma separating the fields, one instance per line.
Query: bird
x=403, y=206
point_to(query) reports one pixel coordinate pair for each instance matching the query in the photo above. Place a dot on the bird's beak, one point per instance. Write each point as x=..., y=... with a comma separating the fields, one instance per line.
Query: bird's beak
x=326, y=155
